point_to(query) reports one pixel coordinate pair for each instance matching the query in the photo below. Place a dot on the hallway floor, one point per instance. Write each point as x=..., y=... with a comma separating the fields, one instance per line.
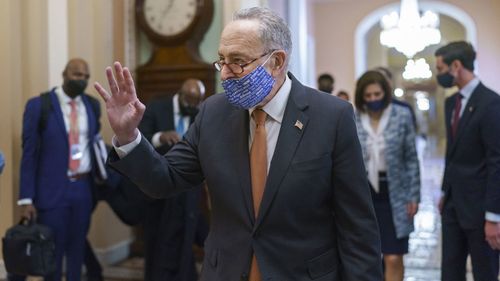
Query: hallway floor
x=423, y=262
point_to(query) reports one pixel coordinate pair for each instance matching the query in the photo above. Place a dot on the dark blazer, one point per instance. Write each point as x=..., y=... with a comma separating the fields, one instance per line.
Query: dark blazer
x=158, y=117
x=316, y=219
x=472, y=173
x=44, y=162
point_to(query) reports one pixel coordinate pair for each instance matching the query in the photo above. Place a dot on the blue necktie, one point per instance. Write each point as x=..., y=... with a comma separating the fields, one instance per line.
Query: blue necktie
x=180, y=126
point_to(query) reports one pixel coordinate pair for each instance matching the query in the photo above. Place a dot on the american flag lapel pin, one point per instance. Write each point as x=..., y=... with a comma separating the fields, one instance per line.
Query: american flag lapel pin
x=299, y=125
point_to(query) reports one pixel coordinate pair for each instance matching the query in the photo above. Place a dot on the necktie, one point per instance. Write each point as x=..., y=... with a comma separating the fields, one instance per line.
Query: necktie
x=180, y=126
x=73, y=137
x=456, y=115
x=258, y=169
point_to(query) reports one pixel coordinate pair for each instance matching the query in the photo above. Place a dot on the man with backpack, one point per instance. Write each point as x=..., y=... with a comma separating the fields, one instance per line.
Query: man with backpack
x=58, y=165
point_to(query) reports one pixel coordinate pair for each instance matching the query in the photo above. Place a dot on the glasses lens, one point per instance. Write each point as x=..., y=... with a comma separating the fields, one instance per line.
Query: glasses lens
x=217, y=66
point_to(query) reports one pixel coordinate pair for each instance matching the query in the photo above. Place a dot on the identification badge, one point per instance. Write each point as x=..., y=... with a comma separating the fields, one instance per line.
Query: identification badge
x=76, y=152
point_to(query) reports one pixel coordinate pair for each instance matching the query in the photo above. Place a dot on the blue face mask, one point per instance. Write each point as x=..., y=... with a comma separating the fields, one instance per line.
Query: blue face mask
x=375, y=106
x=249, y=90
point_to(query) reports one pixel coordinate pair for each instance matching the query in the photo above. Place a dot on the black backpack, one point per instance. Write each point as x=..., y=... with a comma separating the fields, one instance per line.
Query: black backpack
x=29, y=249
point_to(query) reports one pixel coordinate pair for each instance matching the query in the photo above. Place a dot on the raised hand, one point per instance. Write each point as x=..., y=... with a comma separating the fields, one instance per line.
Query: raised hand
x=123, y=108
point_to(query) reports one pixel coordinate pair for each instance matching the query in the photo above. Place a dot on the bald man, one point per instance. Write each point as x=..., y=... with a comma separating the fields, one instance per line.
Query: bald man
x=56, y=185
x=172, y=225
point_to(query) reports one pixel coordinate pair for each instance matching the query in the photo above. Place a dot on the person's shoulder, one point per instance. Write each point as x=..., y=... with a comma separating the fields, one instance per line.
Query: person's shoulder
x=401, y=109
x=91, y=98
x=218, y=100
x=491, y=94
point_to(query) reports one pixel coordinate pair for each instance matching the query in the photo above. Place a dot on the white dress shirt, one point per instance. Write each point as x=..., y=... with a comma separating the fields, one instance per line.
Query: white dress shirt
x=466, y=92
x=275, y=110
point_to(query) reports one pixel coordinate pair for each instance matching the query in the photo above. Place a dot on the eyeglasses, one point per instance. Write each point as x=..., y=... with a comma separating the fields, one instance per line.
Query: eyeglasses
x=237, y=68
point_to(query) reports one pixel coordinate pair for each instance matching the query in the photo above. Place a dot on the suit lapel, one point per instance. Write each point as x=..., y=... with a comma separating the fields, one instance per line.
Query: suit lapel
x=466, y=116
x=288, y=140
x=241, y=157
x=90, y=118
x=56, y=106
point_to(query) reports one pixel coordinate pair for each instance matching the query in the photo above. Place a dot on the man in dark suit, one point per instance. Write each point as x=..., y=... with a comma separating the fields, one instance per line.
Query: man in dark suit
x=283, y=164
x=471, y=183
x=172, y=225
x=57, y=164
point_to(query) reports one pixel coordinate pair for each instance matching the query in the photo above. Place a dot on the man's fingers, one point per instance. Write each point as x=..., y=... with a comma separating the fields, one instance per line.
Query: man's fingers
x=113, y=86
x=102, y=92
x=129, y=81
x=119, y=75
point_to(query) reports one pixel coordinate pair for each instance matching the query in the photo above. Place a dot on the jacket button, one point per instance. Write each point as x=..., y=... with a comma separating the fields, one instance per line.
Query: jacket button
x=244, y=277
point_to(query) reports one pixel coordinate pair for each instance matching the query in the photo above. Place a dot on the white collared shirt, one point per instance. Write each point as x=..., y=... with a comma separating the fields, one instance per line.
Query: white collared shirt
x=466, y=92
x=83, y=128
x=275, y=110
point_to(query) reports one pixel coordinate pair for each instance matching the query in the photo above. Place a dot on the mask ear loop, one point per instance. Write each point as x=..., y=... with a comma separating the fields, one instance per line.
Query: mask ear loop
x=270, y=55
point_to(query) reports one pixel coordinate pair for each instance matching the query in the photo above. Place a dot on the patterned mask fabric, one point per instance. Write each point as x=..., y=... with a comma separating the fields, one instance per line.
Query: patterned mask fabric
x=249, y=90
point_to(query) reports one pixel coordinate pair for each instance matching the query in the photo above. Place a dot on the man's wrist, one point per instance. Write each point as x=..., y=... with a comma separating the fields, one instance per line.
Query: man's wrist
x=25, y=201
x=126, y=139
x=492, y=217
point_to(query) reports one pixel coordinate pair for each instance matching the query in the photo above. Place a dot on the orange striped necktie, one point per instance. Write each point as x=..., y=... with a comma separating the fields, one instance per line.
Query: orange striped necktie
x=258, y=169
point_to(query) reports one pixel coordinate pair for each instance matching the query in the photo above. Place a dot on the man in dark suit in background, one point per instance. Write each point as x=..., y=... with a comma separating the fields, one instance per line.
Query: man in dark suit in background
x=57, y=165
x=471, y=183
x=172, y=225
x=283, y=165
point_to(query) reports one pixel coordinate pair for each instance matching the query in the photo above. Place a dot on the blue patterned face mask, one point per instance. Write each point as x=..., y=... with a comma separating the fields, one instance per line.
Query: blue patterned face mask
x=249, y=90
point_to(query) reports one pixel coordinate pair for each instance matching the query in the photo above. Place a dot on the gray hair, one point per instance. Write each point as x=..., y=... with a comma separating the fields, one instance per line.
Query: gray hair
x=274, y=31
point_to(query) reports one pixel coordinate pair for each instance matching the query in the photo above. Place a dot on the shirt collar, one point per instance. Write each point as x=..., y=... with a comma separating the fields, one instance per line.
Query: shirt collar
x=275, y=108
x=175, y=104
x=64, y=98
x=466, y=91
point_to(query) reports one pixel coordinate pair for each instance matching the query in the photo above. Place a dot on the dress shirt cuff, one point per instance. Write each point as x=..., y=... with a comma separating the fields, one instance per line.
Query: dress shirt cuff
x=492, y=217
x=155, y=141
x=123, y=150
x=25, y=201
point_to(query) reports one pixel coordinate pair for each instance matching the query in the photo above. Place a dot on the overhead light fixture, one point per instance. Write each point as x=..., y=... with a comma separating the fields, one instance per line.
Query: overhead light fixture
x=417, y=69
x=408, y=32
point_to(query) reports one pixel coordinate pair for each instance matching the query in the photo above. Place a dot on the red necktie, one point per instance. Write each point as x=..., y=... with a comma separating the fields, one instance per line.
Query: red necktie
x=258, y=169
x=456, y=115
x=73, y=137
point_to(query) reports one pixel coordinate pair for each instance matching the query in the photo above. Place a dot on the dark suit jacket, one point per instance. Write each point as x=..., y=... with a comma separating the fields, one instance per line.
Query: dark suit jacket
x=316, y=220
x=44, y=162
x=472, y=174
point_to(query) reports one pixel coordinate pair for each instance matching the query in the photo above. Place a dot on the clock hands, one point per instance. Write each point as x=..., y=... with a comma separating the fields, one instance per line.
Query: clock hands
x=169, y=6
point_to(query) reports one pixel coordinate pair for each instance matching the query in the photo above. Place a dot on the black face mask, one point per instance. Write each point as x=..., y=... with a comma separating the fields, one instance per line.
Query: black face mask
x=445, y=79
x=76, y=87
x=190, y=111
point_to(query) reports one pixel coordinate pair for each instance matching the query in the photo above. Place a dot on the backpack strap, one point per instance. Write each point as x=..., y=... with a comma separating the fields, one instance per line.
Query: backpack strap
x=46, y=106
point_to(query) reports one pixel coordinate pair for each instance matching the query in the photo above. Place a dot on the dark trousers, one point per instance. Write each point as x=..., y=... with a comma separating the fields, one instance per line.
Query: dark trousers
x=94, y=269
x=458, y=243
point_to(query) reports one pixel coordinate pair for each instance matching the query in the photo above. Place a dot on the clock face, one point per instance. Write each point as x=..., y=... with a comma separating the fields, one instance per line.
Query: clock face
x=169, y=17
